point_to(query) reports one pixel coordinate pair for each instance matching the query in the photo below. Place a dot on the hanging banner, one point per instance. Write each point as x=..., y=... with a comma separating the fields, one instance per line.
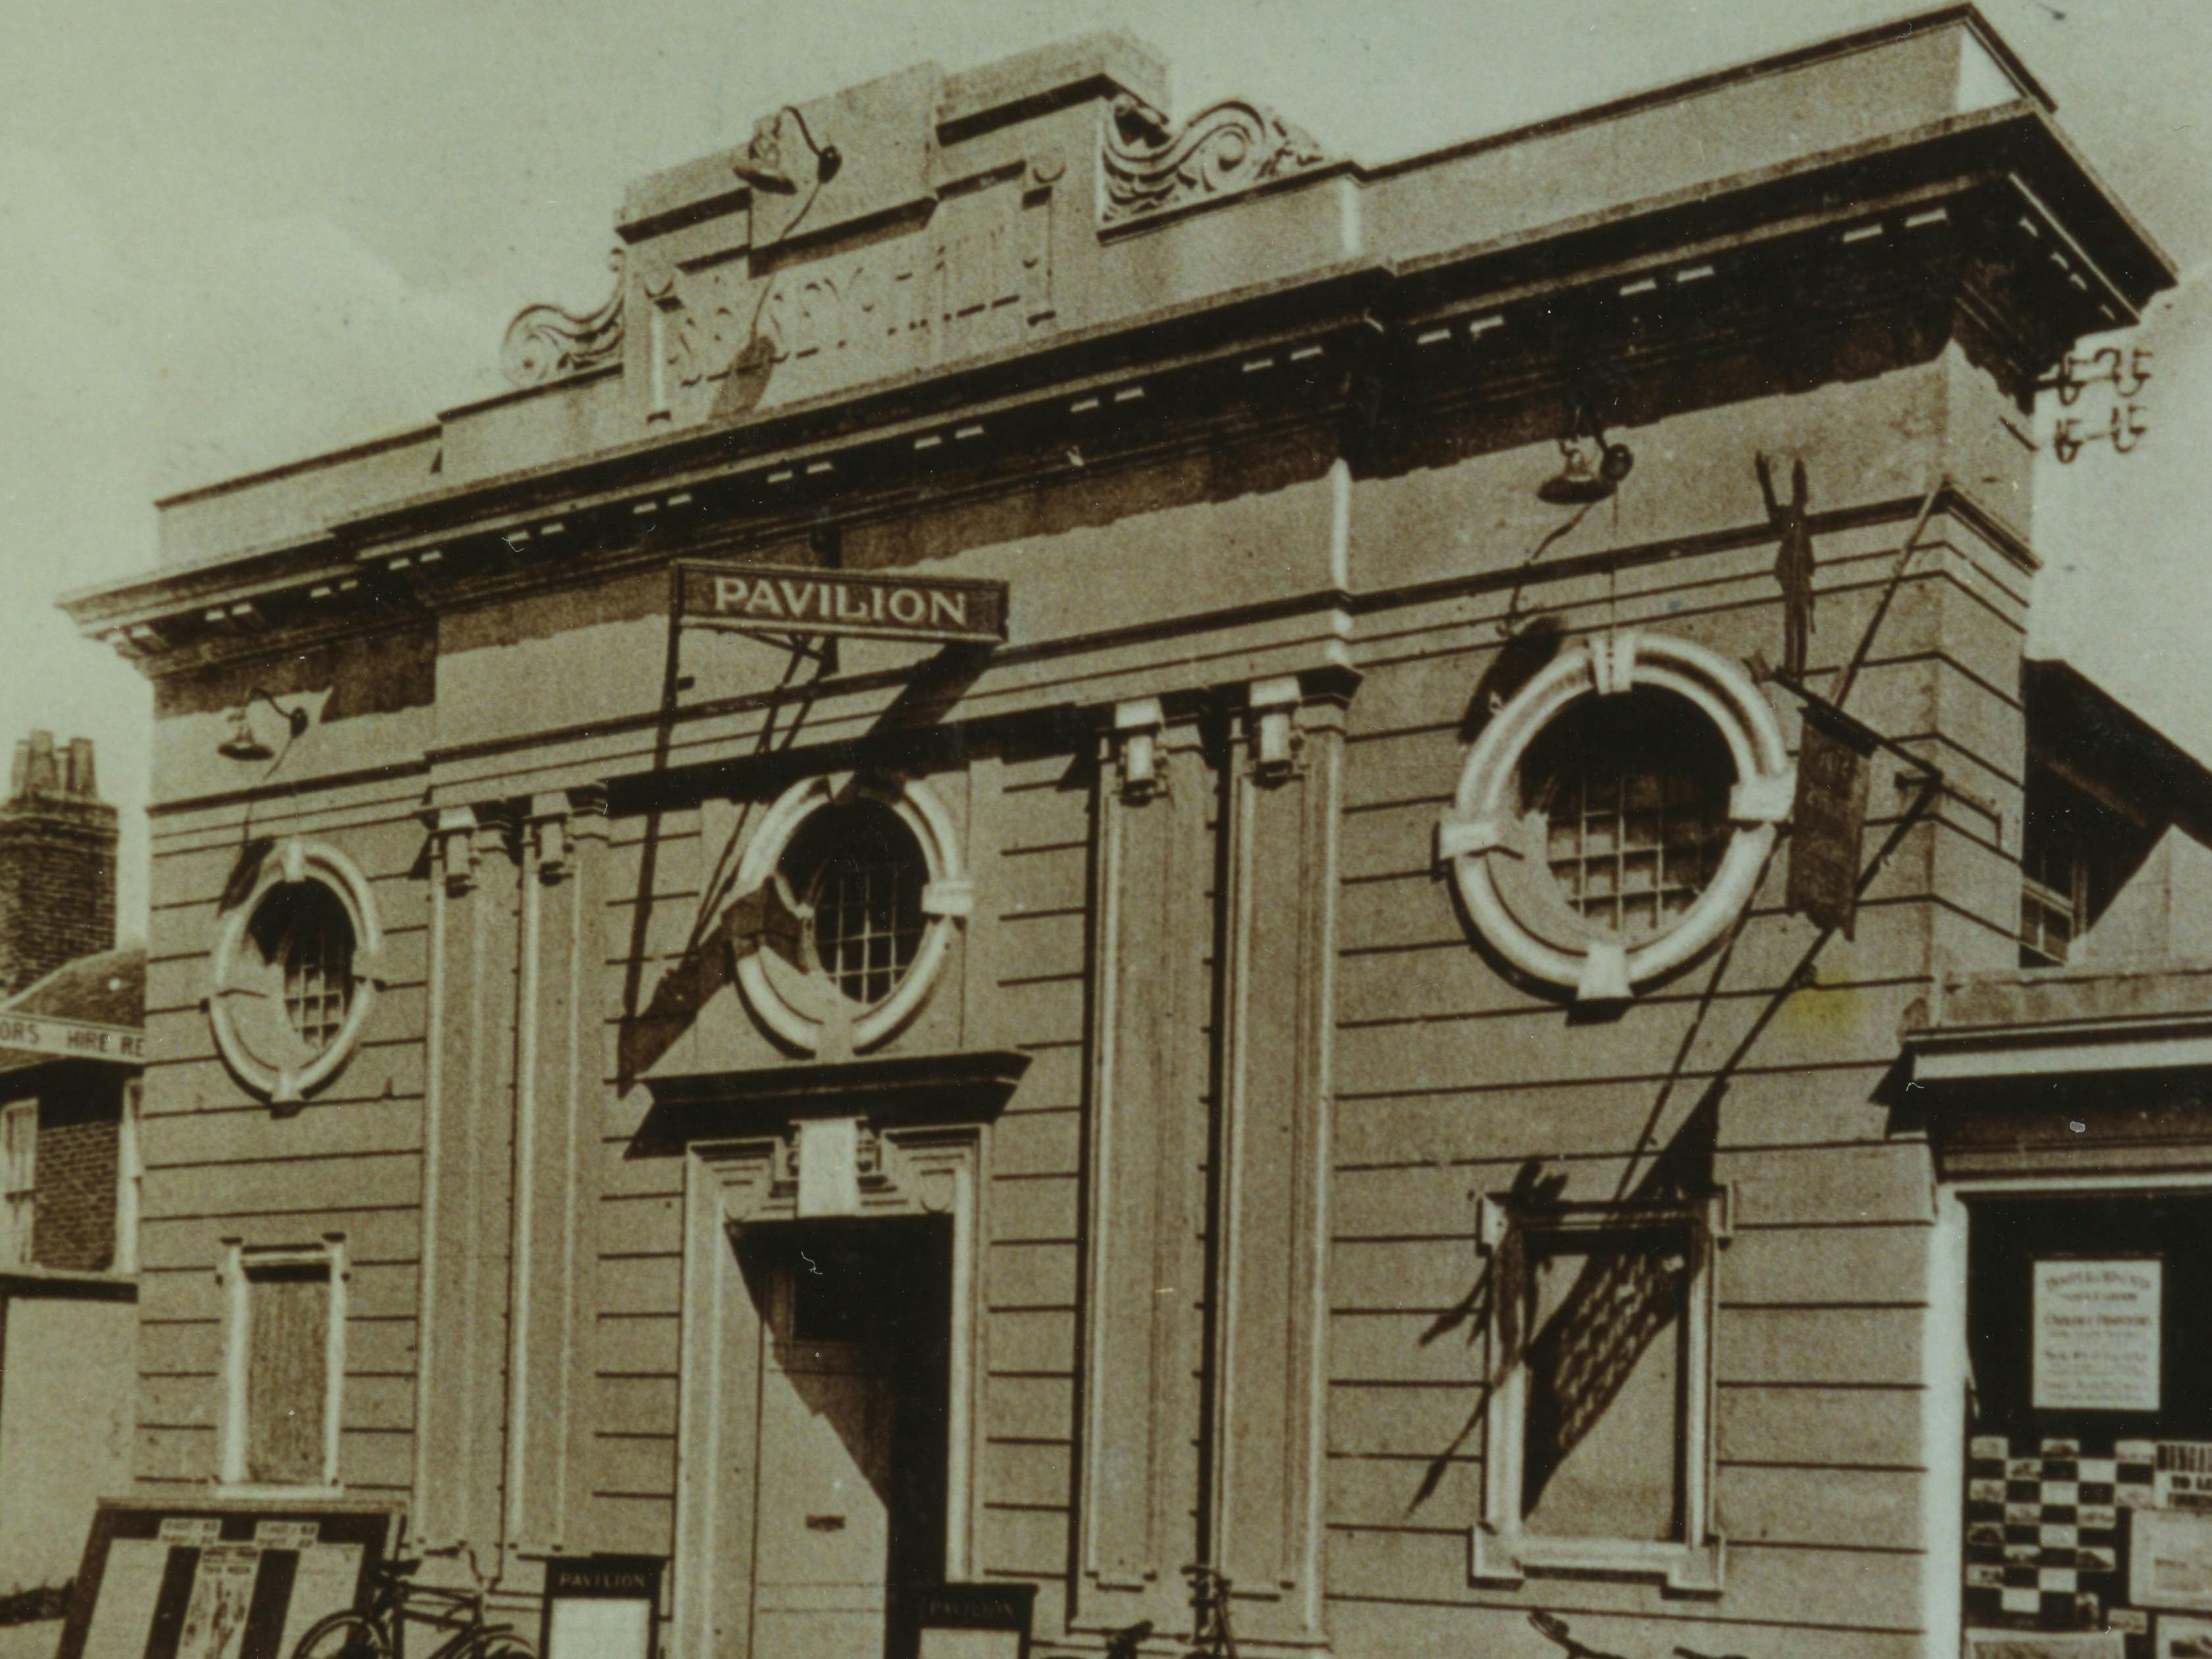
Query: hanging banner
x=1828, y=817
x=2097, y=1331
x=874, y=605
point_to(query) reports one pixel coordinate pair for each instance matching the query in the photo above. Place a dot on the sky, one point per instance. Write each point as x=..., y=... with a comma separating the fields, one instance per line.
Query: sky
x=236, y=231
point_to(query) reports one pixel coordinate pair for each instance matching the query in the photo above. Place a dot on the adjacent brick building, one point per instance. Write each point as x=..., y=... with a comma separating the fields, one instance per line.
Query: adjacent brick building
x=70, y=1054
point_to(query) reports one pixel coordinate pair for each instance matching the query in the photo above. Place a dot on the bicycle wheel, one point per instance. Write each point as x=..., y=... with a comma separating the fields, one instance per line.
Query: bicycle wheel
x=504, y=1645
x=343, y=1636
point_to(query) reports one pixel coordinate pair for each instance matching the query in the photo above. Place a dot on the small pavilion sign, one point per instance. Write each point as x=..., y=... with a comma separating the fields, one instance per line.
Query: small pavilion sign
x=774, y=598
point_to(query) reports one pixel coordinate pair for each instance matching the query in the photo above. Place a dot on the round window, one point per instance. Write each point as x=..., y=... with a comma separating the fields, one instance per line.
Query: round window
x=1633, y=793
x=1614, y=817
x=852, y=887
x=293, y=972
x=858, y=873
x=306, y=941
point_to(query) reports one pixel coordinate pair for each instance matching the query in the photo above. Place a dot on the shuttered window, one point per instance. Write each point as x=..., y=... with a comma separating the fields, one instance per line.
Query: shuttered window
x=287, y=1313
x=287, y=1373
x=19, y=1170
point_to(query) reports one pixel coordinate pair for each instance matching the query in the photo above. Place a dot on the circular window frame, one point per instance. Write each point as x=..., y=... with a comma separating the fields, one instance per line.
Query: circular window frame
x=1481, y=840
x=253, y=1059
x=791, y=1003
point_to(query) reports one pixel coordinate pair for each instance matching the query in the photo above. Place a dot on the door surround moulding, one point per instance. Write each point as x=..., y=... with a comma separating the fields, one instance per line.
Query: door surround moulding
x=730, y=1187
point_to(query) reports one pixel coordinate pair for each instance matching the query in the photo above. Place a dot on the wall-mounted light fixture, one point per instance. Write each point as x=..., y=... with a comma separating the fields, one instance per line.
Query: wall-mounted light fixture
x=761, y=165
x=241, y=744
x=1590, y=469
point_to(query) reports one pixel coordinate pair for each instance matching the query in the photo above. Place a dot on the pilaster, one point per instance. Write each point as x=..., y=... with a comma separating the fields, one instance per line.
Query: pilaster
x=1140, y=1405
x=468, y=1156
x=556, y=1123
x=1269, y=1304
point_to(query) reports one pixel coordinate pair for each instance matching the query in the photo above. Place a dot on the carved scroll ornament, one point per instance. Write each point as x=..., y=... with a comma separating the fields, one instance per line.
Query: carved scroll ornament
x=1232, y=146
x=545, y=343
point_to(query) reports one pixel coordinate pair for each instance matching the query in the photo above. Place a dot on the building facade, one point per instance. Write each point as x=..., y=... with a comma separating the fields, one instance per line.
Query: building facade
x=1065, y=863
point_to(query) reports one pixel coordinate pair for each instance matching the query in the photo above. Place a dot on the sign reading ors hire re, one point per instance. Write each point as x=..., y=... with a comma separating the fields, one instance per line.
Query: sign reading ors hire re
x=876, y=604
x=70, y=1039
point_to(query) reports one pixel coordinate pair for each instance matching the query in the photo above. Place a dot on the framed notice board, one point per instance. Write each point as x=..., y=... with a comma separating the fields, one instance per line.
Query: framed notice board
x=601, y=1606
x=974, y=1622
x=218, y=1579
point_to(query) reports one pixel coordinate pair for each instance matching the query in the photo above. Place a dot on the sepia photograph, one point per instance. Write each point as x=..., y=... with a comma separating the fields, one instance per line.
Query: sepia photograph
x=977, y=830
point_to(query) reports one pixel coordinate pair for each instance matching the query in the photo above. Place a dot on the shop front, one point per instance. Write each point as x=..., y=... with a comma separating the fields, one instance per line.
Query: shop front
x=2070, y=1112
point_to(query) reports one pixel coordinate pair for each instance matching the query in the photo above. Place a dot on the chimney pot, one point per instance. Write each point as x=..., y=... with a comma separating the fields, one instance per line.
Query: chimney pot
x=56, y=862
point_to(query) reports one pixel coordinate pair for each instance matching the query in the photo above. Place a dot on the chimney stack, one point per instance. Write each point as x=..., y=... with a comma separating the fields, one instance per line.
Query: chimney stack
x=56, y=862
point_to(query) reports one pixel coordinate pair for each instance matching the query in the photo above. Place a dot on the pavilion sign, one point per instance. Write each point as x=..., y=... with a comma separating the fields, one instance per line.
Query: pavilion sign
x=780, y=600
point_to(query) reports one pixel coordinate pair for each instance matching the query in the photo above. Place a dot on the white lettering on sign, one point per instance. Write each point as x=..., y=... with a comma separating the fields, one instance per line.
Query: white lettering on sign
x=2097, y=1328
x=781, y=599
x=71, y=1039
x=809, y=600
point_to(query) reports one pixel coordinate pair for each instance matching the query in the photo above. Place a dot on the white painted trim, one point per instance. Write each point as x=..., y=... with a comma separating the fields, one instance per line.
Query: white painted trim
x=19, y=1182
x=1501, y=1553
x=730, y=1186
x=1943, y=1428
x=934, y=832
x=129, y=1176
x=433, y=1135
x=291, y=863
x=232, y=1275
x=1964, y=1056
x=520, y=1255
x=961, y=1438
x=235, y=1270
x=1477, y=833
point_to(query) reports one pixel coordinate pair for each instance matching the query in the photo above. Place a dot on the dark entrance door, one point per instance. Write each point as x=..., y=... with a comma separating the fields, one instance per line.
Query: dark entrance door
x=853, y=1434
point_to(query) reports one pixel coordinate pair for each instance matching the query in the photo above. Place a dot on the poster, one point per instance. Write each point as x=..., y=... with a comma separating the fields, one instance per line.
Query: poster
x=2171, y=1564
x=1827, y=821
x=222, y=1579
x=2097, y=1332
x=223, y=1594
x=2180, y=1636
x=2183, y=1480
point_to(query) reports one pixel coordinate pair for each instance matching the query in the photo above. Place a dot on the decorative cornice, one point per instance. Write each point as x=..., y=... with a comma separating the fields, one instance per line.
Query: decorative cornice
x=1149, y=168
x=1471, y=327
x=545, y=344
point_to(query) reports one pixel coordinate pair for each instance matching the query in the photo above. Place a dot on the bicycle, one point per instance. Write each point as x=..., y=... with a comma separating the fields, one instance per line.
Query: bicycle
x=1212, y=1636
x=381, y=1632
x=1554, y=1630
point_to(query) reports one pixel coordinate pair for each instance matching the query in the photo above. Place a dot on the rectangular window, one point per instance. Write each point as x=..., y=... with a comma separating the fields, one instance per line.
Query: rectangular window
x=2071, y=851
x=19, y=1175
x=1598, y=1433
x=287, y=1360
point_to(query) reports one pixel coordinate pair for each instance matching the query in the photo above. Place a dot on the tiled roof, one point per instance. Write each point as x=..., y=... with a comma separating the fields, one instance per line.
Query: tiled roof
x=105, y=988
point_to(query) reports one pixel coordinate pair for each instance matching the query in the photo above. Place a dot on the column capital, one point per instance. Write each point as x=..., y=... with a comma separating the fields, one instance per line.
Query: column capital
x=558, y=819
